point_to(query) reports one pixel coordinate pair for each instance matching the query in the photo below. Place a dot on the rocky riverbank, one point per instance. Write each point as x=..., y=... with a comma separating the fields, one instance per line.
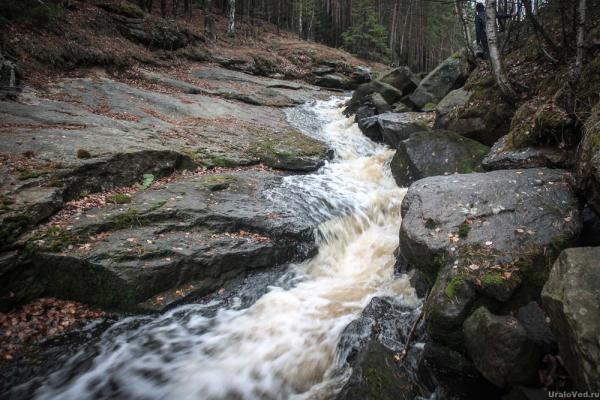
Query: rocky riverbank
x=494, y=254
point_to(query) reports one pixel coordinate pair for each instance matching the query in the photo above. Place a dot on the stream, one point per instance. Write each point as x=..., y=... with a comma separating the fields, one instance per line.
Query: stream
x=276, y=338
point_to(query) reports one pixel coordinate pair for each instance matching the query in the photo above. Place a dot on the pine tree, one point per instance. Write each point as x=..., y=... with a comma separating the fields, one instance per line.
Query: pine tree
x=366, y=36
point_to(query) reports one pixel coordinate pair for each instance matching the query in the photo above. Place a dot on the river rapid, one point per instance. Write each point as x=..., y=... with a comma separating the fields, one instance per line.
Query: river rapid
x=282, y=343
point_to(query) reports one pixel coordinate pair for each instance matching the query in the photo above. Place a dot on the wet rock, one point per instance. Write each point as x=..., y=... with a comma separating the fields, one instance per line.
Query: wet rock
x=588, y=161
x=571, y=299
x=185, y=237
x=535, y=322
x=500, y=348
x=376, y=375
x=438, y=83
x=485, y=237
x=368, y=345
x=449, y=303
x=391, y=128
x=402, y=79
x=501, y=156
x=433, y=153
x=384, y=320
x=388, y=92
x=449, y=104
x=359, y=75
x=333, y=81
x=456, y=376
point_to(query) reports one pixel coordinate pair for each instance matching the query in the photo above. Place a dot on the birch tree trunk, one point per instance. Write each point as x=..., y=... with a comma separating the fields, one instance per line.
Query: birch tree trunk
x=578, y=66
x=491, y=26
x=465, y=29
x=231, y=15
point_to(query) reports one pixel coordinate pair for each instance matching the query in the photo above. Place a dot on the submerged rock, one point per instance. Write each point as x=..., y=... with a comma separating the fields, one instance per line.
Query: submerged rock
x=572, y=300
x=500, y=348
x=433, y=153
x=438, y=83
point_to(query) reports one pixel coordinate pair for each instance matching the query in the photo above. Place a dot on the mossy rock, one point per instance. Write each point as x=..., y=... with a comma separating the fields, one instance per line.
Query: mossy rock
x=436, y=153
x=540, y=124
x=217, y=182
x=291, y=150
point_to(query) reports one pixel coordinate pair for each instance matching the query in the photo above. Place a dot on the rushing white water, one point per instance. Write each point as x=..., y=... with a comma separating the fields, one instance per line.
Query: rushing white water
x=284, y=345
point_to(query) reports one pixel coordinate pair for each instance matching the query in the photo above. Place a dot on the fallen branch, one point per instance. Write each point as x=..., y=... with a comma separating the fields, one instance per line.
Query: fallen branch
x=411, y=335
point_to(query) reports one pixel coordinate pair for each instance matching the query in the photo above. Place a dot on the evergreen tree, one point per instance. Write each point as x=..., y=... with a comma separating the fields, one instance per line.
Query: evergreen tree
x=366, y=37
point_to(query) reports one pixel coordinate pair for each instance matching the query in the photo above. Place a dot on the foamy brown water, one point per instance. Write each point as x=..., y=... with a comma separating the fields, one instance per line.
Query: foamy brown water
x=283, y=346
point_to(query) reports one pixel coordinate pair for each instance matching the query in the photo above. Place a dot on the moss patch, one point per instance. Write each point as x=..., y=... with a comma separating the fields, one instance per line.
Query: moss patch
x=451, y=288
x=464, y=229
x=119, y=198
x=431, y=224
x=126, y=220
x=55, y=239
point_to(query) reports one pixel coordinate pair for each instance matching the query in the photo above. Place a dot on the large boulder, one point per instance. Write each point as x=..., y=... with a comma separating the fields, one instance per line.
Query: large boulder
x=388, y=92
x=485, y=237
x=359, y=75
x=486, y=117
x=434, y=87
x=437, y=152
x=333, y=81
x=588, y=161
x=402, y=79
x=500, y=348
x=392, y=128
x=449, y=104
x=503, y=156
x=572, y=300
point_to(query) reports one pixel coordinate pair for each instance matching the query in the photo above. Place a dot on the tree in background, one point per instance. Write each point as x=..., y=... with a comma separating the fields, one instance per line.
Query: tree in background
x=366, y=36
x=231, y=17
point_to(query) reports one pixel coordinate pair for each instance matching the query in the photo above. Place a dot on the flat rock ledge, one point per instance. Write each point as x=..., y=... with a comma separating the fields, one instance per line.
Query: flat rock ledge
x=161, y=245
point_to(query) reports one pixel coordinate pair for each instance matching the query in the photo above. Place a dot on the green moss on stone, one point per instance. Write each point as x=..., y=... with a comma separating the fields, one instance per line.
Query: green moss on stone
x=119, y=198
x=126, y=220
x=452, y=286
x=431, y=224
x=464, y=229
x=492, y=279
